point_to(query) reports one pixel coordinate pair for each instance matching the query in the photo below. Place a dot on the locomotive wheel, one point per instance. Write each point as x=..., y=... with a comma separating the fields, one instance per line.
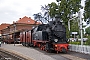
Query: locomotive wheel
x=23, y=44
x=26, y=45
x=41, y=46
x=64, y=50
x=57, y=52
x=47, y=48
x=31, y=44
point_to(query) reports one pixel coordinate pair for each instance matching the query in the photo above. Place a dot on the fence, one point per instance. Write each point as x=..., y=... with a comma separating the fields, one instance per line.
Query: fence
x=79, y=48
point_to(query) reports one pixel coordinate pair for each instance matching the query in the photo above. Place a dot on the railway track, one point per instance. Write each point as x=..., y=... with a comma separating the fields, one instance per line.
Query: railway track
x=5, y=55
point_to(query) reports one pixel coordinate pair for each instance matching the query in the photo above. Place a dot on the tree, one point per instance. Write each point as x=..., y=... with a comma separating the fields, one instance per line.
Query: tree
x=53, y=9
x=64, y=9
x=38, y=17
x=88, y=41
x=74, y=25
x=87, y=18
x=45, y=9
x=87, y=11
x=88, y=30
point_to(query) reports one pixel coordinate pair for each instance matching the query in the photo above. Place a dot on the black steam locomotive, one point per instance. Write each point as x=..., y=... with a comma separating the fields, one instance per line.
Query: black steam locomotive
x=48, y=37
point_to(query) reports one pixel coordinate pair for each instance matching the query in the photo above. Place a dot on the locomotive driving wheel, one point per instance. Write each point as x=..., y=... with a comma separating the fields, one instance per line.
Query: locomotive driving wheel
x=64, y=50
x=41, y=46
x=47, y=47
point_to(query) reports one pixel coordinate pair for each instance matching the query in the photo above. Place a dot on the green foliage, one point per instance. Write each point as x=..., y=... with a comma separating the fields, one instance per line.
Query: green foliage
x=76, y=43
x=53, y=6
x=79, y=43
x=87, y=10
x=74, y=26
x=88, y=30
x=88, y=41
x=67, y=32
x=64, y=9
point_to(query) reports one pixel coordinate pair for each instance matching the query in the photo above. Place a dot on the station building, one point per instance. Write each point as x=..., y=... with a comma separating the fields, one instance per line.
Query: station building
x=10, y=33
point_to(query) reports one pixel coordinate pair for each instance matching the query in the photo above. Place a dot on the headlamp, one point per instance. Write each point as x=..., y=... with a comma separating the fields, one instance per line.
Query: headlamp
x=56, y=40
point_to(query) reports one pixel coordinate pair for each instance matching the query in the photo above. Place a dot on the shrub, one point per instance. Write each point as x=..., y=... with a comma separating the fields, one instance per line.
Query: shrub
x=76, y=43
x=88, y=42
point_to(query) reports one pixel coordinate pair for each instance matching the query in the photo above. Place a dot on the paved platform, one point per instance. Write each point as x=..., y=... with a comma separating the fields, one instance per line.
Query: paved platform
x=33, y=54
x=30, y=53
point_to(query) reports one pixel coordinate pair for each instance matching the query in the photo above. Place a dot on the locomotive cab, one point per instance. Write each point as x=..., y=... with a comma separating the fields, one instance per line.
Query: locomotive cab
x=40, y=35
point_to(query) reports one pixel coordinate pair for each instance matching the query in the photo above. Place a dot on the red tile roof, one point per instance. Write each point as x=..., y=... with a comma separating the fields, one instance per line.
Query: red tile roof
x=3, y=26
x=27, y=20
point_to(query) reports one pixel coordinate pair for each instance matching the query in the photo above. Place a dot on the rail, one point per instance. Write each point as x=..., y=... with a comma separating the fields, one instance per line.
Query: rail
x=80, y=48
x=5, y=55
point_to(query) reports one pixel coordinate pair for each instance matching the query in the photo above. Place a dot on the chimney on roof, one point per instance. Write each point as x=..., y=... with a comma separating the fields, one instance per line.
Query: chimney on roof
x=16, y=21
x=25, y=17
x=20, y=18
x=3, y=23
x=13, y=21
x=30, y=17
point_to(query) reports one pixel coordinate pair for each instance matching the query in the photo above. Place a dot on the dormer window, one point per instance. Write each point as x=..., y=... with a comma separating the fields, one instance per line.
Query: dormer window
x=28, y=20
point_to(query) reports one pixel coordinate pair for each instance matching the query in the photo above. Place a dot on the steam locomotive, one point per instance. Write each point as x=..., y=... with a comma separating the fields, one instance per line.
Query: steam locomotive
x=48, y=37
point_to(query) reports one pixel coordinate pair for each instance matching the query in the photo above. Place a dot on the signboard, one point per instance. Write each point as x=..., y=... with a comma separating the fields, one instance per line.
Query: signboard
x=74, y=32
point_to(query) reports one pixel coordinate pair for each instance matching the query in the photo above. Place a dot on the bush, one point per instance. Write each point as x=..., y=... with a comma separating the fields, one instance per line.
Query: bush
x=76, y=43
x=88, y=42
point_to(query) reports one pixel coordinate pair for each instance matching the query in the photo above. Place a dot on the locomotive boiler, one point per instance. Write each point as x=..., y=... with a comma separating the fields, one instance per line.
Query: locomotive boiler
x=48, y=37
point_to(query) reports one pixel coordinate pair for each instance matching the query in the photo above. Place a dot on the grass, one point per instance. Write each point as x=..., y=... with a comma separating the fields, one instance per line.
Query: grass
x=76, y=43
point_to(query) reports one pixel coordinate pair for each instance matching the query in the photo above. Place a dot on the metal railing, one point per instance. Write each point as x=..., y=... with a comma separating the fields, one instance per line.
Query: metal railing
x=80, y=48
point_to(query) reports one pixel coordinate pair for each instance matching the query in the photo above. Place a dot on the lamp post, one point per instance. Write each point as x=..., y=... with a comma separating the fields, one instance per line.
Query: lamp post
x=14, y=33
x=79, y=15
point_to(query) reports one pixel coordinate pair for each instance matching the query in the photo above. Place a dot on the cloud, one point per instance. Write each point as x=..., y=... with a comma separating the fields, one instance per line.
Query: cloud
x=12, y=10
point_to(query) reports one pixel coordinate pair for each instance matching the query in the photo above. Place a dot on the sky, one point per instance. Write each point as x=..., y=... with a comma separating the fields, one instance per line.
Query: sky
x=12, y=10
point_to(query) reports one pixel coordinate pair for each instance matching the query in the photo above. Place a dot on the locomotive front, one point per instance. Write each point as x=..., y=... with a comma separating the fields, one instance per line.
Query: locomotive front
x=58, y=36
